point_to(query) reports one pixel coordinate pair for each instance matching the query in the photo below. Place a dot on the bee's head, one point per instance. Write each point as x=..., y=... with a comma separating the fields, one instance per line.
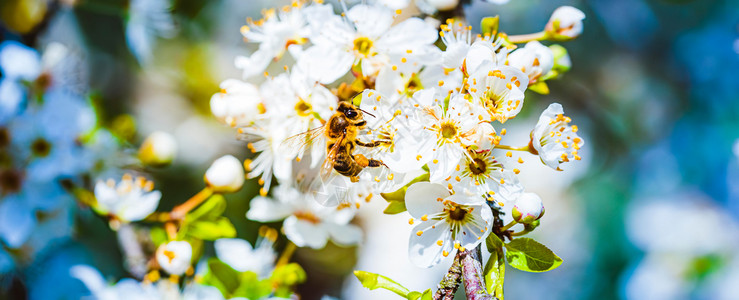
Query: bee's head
x=350, y=111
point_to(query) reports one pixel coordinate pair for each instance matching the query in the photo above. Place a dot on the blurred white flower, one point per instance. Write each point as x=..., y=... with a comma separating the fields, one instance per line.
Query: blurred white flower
x=174, y=257
x=225, y=175
x=554, y=138
x=158, y=149
x=131, y=289
x=128, y=201
x=307, y=223
x=565, y=23
x=266, y=138
x=237, y=104
x=446, y=222
x=240, y=255
x=147, y=21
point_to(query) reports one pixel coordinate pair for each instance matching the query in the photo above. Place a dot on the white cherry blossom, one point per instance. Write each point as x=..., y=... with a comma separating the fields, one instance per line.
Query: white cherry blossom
x=446, y=221
x=500, y=91
x=237, y=104
x=240, y=255
x=278, y=30
x=306, y=222
x=128, y=201
x=454, y=128
x=555, y=140
x=365, y=36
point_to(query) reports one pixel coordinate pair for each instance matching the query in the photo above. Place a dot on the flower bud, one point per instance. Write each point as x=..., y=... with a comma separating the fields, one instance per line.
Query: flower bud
x=562, y=62
x=528, y=208
x=565, y=24
x=158, y=150
x=225, y=175
x=174, y=257
x=484, y=137
x=535, y=60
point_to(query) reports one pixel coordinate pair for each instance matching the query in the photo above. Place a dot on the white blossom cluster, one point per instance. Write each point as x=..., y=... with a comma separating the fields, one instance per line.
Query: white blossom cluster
x=434, y=101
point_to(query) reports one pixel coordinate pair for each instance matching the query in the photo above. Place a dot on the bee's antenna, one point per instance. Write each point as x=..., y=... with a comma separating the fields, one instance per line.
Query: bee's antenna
x=364, y=111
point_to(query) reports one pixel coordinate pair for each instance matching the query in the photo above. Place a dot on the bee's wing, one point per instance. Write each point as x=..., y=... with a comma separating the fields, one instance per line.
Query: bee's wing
x=302, y=141
x=331, y=155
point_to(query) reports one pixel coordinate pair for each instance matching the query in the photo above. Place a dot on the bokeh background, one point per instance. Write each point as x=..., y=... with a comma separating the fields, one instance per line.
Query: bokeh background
x=650, y=213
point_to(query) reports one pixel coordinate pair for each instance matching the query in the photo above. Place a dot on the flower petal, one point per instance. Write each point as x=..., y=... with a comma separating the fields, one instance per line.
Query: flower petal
x=264, y=209
x=234, y=252
x=421, y=198
x=345, y=234
x=304, y=233
x=424, y=250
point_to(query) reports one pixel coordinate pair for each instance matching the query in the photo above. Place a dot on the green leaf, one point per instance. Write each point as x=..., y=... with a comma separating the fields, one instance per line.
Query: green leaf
x=494, y=243
x=289, y=275
x=373, y=281
x=529, y=255
x=211, y=209
x=222, y=276
x=426, y=295
x=251, y=287
x=540, y=87
x=395, y=207
x=562, y=62
x=489, y=26
x=158, y=236
x=494, y=272
x=399, y=194
x=211, y=230
x=397, y=198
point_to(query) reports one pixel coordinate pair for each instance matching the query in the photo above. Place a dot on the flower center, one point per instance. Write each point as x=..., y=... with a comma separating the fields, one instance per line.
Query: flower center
x=169, y=254
x=457, y=213
x=40, y=147
x=303, y=108
x=307, y=216
x=477, y=166
x=4, y=137
x=10, y=181
x=448, y=130
x=363, y=45
x=413, y=85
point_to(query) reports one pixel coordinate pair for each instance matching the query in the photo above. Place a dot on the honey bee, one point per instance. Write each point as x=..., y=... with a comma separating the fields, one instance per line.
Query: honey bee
x=340, y=132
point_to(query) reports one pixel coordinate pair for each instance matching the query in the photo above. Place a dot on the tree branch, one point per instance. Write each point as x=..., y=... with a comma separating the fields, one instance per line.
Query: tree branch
x=449, y=284
x=474, y=285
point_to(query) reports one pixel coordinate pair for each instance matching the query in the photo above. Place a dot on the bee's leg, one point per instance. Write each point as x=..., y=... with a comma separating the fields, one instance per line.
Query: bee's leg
x=369, y=145
x=367, y=162
x=374, y=163
x=361, y=160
